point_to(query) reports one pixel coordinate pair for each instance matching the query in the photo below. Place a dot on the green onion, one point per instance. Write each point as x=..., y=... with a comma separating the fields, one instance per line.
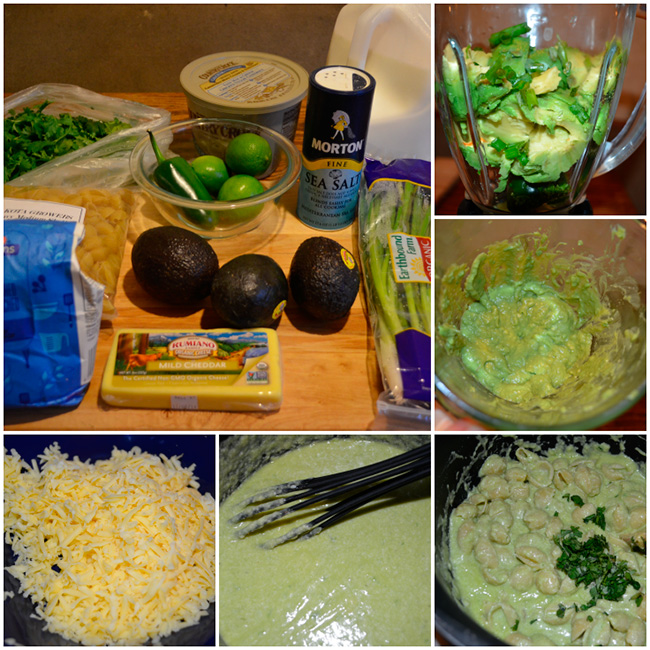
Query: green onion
x=507, y=35
x=529, y=97
x=394, y=306
x=514, y=151
x=579, y=112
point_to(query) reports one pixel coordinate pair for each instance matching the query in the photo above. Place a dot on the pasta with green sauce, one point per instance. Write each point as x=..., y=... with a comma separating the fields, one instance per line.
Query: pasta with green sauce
x=549, y=549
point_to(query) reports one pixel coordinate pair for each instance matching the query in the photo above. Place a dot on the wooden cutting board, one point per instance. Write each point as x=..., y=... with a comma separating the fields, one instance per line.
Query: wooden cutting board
x=331, y=380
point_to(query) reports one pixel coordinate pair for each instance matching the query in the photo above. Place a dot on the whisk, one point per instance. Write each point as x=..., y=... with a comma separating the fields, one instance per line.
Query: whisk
x=384, y=477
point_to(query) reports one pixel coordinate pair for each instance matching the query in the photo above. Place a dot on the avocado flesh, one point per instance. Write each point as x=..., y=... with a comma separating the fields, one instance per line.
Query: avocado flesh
x=321, y=282
x=174, y=265
x=533, y=107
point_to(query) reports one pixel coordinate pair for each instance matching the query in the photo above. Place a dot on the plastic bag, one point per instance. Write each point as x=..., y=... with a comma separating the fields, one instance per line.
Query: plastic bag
x=106, y=220
x=52, y=314
x=395, y=248
x=103, y=164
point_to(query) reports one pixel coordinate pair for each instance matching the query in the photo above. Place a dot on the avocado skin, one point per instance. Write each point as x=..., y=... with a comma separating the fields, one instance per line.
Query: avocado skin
x=174, y=265
x=321, y=284
x=247, y=290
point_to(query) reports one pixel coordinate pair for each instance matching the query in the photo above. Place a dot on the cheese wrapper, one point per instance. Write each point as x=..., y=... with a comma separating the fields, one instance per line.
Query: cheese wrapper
x=215, y=370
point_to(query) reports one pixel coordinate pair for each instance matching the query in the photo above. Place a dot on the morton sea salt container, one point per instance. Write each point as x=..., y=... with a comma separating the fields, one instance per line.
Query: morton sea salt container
x=336, y=126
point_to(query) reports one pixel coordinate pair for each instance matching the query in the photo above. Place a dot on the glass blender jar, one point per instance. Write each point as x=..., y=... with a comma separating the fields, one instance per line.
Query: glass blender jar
x=527, y=95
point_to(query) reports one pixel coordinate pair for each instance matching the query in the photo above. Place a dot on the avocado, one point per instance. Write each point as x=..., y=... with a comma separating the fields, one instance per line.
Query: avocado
x=578, y=70
x=324, y=278
x=250, y=291
x=546, y=82
x=174, y=265
x=532, y=106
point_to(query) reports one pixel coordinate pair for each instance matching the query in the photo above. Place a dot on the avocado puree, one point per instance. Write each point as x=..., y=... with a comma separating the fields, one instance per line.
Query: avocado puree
x=521, y=340
x=531, y=323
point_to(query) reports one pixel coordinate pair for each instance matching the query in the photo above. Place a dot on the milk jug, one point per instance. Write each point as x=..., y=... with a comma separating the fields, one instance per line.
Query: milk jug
x=393, y=44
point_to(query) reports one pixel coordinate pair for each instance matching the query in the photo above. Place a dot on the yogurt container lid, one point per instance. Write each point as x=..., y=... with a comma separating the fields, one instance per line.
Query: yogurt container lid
x=250, y=82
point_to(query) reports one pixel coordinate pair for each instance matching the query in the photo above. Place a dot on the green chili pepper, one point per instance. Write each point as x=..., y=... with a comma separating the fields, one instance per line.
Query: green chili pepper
x=177, y=176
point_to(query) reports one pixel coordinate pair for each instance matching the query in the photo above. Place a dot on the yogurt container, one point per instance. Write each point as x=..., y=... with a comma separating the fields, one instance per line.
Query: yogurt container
x=256, y=87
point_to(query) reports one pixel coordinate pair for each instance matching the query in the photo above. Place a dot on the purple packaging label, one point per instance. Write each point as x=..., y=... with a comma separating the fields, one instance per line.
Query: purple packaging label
x=404, y=169
x=414, y=354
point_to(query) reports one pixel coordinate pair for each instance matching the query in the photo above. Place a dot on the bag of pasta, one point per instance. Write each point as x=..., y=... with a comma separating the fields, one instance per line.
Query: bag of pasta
x=105, y=214
x=52, y=310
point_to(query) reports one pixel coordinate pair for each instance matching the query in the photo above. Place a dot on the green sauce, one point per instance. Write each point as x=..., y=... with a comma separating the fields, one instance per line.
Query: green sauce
x=521, y=340
x=364, y=581
x=544, y=330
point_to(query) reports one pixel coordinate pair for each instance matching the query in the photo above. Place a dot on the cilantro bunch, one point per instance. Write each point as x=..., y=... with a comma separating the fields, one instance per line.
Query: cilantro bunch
x=32, y=138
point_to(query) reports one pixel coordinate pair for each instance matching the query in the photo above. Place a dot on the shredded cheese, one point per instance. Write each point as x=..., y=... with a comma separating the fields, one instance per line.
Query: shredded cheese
x=112, y=553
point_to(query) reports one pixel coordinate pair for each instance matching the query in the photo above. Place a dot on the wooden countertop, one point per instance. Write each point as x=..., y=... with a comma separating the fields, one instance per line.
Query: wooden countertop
x=331, y=380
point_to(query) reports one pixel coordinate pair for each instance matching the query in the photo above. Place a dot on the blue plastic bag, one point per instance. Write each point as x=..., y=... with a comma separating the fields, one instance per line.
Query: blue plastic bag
x=52, y=315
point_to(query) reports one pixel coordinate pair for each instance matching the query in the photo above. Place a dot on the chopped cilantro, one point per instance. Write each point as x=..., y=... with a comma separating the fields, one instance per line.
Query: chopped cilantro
x=598, y=518
x=638, y=599
x=556, y=514
x=560, y=611
x=590, y=618
x=515, y=626
x=575, y=498
x=32, y=137
x=589, y=563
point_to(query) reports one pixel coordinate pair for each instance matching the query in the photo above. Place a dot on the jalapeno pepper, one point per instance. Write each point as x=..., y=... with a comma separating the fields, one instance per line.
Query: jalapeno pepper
x=526, y=198
x=177, y=176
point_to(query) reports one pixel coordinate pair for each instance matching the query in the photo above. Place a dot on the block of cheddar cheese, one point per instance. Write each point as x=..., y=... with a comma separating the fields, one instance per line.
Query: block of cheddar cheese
x=219, y=370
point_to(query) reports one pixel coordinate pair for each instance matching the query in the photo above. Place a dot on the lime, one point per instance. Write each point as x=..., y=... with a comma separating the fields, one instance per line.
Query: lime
x=242, y=186
x=248, y=153
x=212, y=171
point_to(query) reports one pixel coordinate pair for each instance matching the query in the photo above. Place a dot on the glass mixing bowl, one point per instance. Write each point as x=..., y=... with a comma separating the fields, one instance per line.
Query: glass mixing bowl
x=594, y=401
x=210, y=136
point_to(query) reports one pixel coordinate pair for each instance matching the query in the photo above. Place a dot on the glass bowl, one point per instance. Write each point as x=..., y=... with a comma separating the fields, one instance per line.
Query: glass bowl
x=606, y=390
x=210, y=136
